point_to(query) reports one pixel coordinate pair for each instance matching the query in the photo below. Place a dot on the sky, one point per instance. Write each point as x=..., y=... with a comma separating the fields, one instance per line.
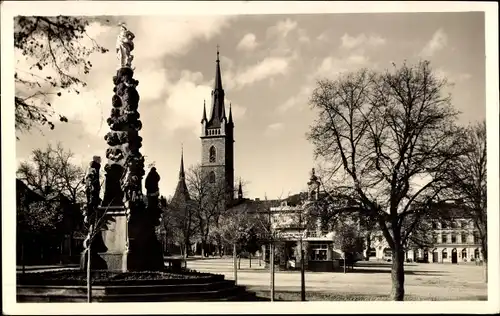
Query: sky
x=269, y=66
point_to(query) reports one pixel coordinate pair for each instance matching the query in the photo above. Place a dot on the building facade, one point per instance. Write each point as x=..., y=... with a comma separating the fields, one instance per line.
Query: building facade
x=454, y=241
x=295, y=228
x=298, y=230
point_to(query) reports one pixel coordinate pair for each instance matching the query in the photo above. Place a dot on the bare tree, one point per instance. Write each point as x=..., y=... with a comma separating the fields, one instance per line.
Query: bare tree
x=54, y=44
x=50, y=173
x=468, y=179
x=387, y=140
x=209, y=202
x=178, y=216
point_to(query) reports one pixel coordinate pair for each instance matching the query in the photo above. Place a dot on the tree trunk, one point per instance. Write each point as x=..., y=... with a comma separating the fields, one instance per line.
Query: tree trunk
x=485, y=262
x=271, y=269
x=250, y=261
x=398, y=274
x=235, y=265
x=89, y=277
x=239, y=262
x=344, y=261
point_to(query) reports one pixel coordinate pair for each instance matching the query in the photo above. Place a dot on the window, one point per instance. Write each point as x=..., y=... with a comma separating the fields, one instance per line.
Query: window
x=476, y=237
x=444, y=225
x=319, y=252
x=444, y=238
x=211, y=177
x=445, y=254
x=453, y=239
x=454, y=224
x=434, y=225
x=464, y=253
x=463, y=224
x=464, y=238
x=476, y=253
x=435, y=238
x=212, y=154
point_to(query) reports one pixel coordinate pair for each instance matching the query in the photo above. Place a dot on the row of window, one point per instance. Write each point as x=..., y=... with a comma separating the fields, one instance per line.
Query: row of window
x=453, y=225
x=453, y=239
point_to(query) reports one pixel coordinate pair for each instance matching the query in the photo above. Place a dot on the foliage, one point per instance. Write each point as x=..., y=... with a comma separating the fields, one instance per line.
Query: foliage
x=468, y=180
x=50, y=174
x=387, y=140
x=39, y=216
x=53, y=47
x=348, y=237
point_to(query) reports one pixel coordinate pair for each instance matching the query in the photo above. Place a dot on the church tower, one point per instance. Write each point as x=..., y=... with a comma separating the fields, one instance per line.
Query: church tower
x=217, y=138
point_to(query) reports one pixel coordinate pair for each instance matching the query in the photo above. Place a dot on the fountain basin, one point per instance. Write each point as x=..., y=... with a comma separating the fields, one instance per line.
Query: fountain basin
x=146, y=286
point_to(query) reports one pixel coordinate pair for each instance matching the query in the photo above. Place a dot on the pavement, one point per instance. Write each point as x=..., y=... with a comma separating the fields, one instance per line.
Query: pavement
x=436, y=281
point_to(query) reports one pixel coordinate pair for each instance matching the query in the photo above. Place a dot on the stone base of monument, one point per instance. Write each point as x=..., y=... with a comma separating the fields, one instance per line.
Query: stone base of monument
x=125, y=245
x=70, y=286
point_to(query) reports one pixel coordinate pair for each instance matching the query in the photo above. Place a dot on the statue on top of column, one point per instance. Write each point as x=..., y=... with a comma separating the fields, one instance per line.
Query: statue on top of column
x=124, y=46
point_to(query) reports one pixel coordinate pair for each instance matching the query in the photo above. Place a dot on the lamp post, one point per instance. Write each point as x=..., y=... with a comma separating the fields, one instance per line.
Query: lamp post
x=302, y=272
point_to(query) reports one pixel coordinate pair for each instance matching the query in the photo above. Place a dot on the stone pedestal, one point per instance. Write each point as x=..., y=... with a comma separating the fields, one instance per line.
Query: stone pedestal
x=116, y=239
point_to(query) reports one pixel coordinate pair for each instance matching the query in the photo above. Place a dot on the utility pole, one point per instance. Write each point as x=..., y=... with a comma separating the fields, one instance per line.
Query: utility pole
x=235, y=262
x=271, y=268
x=302, y=272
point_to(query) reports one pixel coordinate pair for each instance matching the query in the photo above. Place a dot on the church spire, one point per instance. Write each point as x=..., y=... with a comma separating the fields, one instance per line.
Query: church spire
x=182, y=175
x=240, y=191
x=218, y=78
x=181, y=195
x=230, y=114
x=217, y=113
x=204, y=118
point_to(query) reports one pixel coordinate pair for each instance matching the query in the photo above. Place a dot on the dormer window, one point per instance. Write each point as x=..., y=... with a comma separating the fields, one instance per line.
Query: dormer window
x=212, y=154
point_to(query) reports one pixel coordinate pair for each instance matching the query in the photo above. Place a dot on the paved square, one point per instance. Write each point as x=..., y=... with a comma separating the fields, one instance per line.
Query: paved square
x=422, y=281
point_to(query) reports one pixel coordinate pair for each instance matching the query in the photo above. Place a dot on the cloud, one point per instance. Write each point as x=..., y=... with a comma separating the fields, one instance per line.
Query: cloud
x=184, y=104
x=329, y=67
x=267, y=68
x=350, y=42
x=159, y=36
x=332, y=66
x=438, y=41
x=247, y=43
x=274, y=128
x=282, y=28
x=301, y=99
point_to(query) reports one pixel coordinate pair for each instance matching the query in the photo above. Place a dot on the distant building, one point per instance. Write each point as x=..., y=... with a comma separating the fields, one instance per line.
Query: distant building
x=454, y=239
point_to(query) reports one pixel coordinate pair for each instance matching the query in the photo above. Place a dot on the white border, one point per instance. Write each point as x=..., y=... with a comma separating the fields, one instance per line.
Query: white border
x=12, y=8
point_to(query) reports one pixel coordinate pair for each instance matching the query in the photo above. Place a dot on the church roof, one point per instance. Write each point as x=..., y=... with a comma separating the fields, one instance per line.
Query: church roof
x=218, y=111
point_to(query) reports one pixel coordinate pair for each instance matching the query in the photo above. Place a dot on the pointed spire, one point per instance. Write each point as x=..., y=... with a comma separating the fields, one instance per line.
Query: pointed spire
x=230, y=113
x=240, y=191
x=204, y=118
x=181, y=170
x=218, y=78
x=217, y=111
x=223, y=112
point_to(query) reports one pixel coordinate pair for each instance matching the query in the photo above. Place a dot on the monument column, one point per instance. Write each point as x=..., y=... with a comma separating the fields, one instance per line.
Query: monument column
x=129, y=217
